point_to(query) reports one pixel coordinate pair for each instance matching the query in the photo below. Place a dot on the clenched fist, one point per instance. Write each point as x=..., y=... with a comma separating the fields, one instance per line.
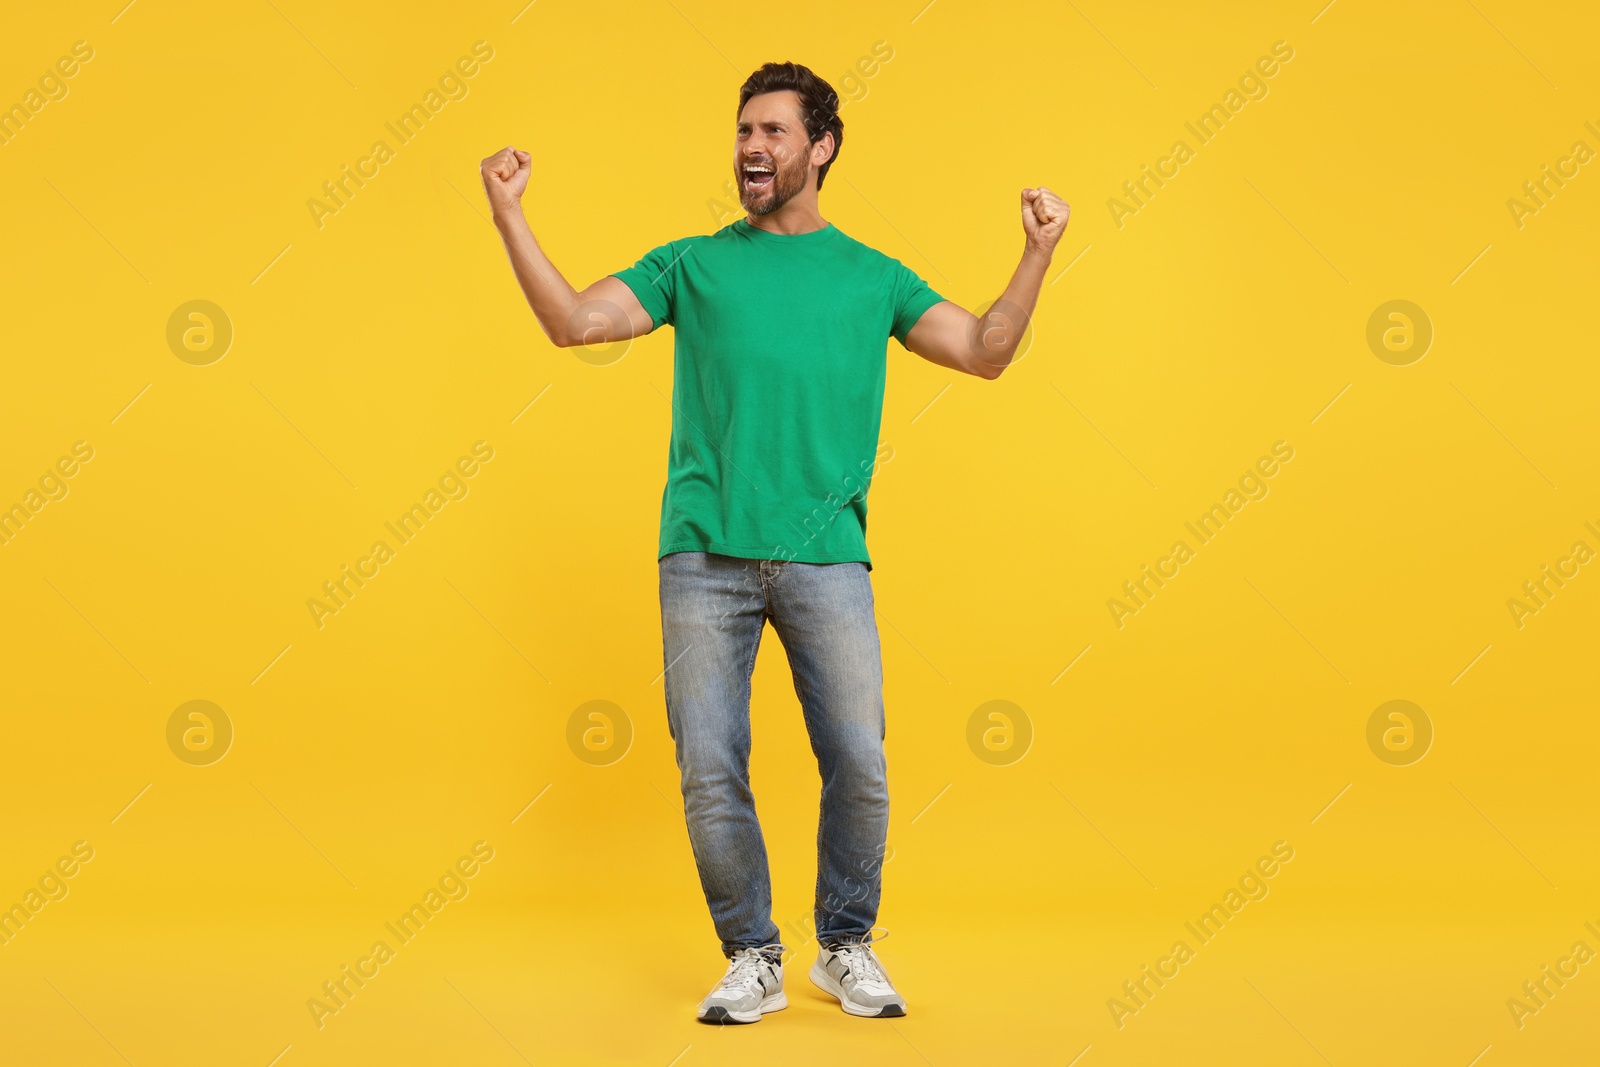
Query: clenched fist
x=1044, y=218
x=505, y=176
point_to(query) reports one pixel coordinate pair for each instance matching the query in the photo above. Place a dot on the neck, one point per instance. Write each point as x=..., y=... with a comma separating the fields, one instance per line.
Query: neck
x=799, y=215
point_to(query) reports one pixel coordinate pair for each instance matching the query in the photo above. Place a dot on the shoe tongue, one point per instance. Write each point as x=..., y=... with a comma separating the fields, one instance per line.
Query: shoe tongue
x=861, y=960
x=743, y=964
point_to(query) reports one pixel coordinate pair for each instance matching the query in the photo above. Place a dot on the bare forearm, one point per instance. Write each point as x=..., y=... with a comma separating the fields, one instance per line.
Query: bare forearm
x=1001, y=328
x=998, y=333
x=551, y=296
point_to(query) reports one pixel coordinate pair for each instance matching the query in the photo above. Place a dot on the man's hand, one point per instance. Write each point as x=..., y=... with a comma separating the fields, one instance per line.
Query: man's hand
x=505, y=176
x=1044, y=219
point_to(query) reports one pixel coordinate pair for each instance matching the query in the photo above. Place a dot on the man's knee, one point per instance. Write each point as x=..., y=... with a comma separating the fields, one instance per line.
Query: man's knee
x=713, y=765
x=856, y=763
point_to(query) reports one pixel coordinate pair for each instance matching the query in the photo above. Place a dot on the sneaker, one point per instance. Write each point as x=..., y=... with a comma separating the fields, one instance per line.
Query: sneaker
x=852, y=974
x=752, y=987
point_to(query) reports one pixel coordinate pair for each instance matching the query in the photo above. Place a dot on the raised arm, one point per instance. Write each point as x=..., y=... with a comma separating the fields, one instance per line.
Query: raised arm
x=606, y=311
x=951, y=336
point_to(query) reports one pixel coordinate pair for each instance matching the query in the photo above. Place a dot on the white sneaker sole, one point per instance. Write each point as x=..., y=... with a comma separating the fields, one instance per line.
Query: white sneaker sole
x=825, y=982
x=718, y=1014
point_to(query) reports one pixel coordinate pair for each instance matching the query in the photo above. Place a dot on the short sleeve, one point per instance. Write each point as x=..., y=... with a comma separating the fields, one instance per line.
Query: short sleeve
x=654, y=281
x=912, y=297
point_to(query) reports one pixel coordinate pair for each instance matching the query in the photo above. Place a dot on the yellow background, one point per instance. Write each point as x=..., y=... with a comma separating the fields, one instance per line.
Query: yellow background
x=369, y=354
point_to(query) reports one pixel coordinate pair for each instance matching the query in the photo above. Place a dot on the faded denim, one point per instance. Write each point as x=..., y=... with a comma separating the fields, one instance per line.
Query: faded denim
x=714, y=609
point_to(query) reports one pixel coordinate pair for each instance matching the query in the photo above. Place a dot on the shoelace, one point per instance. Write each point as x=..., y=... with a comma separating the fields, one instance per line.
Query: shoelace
x=859, y=958
x=745, y=966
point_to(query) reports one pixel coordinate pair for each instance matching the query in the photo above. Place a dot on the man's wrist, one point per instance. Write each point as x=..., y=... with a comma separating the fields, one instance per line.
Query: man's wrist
x=505, y=213
x=1033, y=251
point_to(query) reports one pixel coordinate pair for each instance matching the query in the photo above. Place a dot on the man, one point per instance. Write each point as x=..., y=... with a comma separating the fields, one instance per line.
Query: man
x=781, y=323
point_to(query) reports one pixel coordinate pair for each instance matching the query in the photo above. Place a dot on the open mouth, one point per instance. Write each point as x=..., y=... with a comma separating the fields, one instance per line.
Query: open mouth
x=757, y=176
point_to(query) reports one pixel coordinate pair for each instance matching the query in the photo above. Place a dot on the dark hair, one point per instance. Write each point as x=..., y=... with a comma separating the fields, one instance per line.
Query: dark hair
x=819, y=104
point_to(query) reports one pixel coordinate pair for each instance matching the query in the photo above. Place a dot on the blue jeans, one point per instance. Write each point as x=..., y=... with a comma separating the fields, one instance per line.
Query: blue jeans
x=714, y=609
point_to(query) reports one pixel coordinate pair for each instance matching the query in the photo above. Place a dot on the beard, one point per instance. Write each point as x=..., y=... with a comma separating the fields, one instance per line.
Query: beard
x=786, y=184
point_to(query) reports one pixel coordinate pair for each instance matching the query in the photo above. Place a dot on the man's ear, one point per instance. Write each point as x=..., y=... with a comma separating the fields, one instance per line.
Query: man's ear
x=825, y=140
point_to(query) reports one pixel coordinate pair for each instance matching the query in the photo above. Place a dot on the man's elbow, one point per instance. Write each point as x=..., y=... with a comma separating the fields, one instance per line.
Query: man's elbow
x=559, y=338
x=987, y=370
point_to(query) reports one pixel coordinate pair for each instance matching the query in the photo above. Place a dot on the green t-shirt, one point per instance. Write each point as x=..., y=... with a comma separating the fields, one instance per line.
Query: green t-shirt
x=780, y=351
